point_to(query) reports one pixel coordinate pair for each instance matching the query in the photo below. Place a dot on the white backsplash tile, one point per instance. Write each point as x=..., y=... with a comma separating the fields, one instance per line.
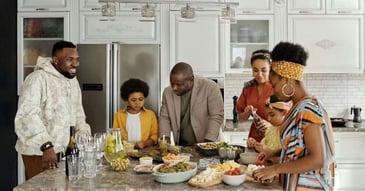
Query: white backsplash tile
x=337, y=92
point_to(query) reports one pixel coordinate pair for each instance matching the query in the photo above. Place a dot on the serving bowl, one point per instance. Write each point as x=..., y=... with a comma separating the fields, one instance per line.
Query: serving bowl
x=234, y=180
x=209, y=148
x=174, y=177
x=249, y=156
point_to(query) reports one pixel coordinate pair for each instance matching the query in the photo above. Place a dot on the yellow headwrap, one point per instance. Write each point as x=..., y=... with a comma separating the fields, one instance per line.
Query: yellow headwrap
x=278, y=105
x=288, y=69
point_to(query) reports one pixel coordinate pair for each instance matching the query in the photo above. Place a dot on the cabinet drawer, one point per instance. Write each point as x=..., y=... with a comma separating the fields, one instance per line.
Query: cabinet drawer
x=349, y=147
x=350, y=177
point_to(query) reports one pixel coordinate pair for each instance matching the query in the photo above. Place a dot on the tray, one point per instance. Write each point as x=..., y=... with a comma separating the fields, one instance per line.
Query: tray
x=143, y=169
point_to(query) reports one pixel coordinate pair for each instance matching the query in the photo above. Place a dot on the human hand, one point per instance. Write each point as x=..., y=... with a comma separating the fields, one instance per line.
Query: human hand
x=262, y=125
x=139, y=145
x=251, y=142
x=259, y=147
x=249, y=109
x=265, y=175
x=49, y=159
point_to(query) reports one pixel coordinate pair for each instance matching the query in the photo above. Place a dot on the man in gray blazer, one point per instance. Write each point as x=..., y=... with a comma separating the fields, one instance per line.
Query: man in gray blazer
x=192, y=108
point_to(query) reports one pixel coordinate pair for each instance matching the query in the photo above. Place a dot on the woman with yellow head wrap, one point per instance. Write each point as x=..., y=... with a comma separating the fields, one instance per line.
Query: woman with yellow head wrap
x=306, y=156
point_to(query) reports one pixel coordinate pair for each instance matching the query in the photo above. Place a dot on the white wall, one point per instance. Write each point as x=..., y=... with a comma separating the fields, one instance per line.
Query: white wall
x=337, y=92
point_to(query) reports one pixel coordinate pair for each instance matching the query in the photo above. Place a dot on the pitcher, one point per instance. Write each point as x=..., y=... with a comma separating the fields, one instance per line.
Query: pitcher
x=114, y=145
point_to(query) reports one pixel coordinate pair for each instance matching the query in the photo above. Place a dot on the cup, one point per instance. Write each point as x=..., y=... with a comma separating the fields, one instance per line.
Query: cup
x=90, y=161
x=73, y=167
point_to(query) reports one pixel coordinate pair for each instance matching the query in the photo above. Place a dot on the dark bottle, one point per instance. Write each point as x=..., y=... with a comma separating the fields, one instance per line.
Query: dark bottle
x=71, y=147
x=235, y=117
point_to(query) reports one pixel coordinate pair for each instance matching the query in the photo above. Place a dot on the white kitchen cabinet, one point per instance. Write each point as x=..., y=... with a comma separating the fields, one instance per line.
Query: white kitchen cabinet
x=325, y=6
x=306, y=6
x=335, y=42
x=125, y=27
x=37, y=32
x=349, y=147
x=94, y=5
x=345, y=6
x=44, y=5
x=349, y=177
x=236, y=137
x=199, y=42
x=249, y=33
x=350, y=160
x=254, y=7
x=199, y=5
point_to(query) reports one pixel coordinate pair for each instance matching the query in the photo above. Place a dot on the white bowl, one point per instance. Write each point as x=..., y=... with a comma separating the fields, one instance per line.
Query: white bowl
x=248, y=157
x=173, y=177
x=234, y=180
x=145, y=160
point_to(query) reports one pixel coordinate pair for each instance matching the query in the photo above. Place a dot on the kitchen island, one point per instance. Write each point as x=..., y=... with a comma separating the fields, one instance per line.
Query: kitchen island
x=107, y=179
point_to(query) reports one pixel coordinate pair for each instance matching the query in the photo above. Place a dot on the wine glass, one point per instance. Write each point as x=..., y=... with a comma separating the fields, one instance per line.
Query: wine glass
x=99, y=143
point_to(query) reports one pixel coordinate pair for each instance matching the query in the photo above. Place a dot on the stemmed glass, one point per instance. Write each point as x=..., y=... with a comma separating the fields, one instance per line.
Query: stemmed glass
x=99, y=143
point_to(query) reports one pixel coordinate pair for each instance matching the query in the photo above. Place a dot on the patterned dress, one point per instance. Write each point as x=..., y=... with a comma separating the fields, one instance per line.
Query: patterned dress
x=306, y=112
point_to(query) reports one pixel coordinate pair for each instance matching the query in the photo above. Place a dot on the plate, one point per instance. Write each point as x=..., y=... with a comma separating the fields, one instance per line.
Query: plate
x=143, y=169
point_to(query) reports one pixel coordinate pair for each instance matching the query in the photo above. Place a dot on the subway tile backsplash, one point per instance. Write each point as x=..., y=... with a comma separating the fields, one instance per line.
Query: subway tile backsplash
x=337, y=92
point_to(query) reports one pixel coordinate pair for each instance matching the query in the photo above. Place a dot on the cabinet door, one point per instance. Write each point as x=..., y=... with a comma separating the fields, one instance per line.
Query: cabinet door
x=345, y=6
x=199, y=5
x=249, y=33
x=349, y=177
x=94, y=5
x=335, y=43
x=37, y=32
x=349, y=147
x=198, y=42
x=43, y=5
x=124, y=27
x=306, y=6
x=254, y=7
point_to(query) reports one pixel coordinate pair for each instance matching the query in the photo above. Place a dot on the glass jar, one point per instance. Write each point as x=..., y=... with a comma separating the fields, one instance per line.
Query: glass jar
x=114, y=146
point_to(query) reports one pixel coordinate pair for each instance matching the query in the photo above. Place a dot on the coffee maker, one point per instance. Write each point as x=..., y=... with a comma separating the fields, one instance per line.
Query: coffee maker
x=357, y=114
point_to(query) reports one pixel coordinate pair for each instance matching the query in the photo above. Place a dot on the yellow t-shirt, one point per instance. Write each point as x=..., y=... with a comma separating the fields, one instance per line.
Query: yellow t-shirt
x=272, y=138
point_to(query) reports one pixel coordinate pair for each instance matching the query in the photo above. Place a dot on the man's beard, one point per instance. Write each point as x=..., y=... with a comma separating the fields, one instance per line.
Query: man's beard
x=68, y=75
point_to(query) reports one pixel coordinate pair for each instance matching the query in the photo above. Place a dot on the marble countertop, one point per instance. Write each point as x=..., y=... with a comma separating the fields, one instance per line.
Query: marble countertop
x=245, y=127
x=107, y=179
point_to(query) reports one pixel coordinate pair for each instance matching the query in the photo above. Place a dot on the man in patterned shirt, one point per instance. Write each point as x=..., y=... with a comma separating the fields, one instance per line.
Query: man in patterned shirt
x=49, y=103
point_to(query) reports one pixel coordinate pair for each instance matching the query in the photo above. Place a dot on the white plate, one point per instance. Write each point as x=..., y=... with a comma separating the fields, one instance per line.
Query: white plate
x=143, y=168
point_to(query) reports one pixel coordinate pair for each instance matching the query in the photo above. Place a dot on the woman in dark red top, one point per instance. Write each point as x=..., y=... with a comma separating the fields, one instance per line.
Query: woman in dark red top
x=255, y=92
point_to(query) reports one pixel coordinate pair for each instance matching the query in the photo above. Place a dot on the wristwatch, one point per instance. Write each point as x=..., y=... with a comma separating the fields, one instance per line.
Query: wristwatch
x=46, y=146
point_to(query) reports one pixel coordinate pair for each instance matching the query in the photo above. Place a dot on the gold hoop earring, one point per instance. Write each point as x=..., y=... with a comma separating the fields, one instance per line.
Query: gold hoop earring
x=287, y=95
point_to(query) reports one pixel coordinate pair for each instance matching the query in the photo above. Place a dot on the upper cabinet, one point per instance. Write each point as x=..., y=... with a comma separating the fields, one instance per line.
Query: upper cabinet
x=249, y=33
x=125, y=27
x=37, y=32
x=199, y=5
x=345, y=6
x=335, y=42
x=94, y=5
x=254, y=7
x=199, y=42
x=43, y=5
x=325, y=6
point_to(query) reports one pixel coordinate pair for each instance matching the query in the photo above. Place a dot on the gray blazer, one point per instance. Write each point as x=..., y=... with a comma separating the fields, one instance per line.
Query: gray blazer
x=206, y=108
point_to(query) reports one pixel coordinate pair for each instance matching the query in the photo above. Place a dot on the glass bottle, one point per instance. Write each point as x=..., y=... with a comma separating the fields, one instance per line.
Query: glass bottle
x=72, y=148
x=256, y=119
x=114, y=145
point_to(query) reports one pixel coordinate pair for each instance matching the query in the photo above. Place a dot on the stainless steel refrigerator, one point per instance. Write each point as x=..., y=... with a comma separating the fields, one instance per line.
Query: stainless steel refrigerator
x=103, y=69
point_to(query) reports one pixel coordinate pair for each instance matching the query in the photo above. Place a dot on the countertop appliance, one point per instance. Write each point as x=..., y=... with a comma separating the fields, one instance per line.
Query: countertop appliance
x=103, y=69
x=357, y=113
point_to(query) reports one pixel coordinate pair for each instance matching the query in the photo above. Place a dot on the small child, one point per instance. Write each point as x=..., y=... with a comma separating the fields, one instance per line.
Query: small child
x=138, y=124
x=276, y=111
